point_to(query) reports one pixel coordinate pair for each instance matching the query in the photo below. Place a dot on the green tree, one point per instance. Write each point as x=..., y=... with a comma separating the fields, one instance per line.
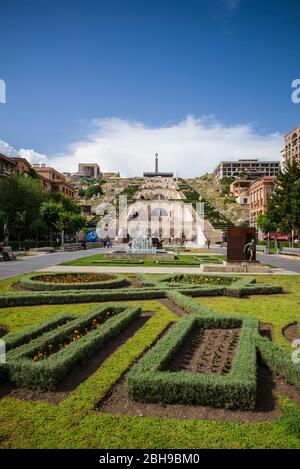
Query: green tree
x=20, y=200
x=93, y=190
x=51, y=216
x=265, y=224
x=284, y=208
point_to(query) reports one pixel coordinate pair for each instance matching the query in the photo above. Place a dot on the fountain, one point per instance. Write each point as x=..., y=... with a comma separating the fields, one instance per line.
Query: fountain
x=142, y=246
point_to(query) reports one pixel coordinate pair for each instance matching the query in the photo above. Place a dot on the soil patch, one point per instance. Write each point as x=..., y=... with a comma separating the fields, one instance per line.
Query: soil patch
x=266, y=330
x=209, y=351
x=80, y=372
x=117, y=402
x=17, y=286
x=172, y=306
x=135, y=282
x=291, y=332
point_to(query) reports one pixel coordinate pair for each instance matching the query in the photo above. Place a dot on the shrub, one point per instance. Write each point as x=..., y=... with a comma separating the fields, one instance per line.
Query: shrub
x=148, y=381
x=46, y=373
x=279, y=360
x=15, y=339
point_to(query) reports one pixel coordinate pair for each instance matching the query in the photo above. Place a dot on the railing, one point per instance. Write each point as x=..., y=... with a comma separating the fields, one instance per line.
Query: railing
x=289, y=251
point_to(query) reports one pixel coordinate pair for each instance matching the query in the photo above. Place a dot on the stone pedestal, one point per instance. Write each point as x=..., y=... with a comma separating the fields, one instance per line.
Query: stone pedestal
x=236, y=267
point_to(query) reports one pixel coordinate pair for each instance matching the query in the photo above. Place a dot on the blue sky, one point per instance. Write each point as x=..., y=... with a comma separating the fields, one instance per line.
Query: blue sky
x=74, y=68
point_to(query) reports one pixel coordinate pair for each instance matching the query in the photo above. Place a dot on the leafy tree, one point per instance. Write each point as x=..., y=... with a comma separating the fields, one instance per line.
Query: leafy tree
x=68, y=204
x=81, y=192
x=20, y=201
x=265, y=224
x=284, y=208
x=93, y=190
x=51, y=213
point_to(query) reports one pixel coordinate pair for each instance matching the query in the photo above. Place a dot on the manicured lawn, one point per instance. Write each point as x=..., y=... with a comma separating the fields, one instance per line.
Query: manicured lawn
x=74, y=423
x=278, y=310
x=182, y=260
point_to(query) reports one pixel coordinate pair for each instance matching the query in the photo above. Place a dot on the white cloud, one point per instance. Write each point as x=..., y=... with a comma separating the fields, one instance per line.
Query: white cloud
x=7, y=150
x=32, y=156
x=191, y=147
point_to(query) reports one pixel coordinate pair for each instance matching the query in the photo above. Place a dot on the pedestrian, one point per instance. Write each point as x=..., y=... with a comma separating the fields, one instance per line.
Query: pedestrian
x=208, y=243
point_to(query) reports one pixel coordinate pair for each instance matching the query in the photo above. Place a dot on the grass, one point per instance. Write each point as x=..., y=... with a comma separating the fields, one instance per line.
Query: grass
x=183, y=260
x=74, y=423
x=278, y=310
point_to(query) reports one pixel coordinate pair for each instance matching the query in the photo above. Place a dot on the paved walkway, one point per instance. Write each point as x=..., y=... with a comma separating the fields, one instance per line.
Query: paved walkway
x=149, y=270
x=286, y=263
x=31, y=263
x=48, y=262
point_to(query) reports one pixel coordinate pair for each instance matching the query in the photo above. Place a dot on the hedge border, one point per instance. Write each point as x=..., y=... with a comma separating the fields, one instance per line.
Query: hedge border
x=148, y=382
x=153, y=291
x=279, y=360
x=45, y=374
x=28, y=281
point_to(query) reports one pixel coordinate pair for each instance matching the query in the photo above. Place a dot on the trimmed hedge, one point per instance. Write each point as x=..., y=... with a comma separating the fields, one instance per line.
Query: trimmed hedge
x=15, y=339
x=279, y=360
x=29, y=281
x=248, y=286
x=153, y=291
x=176, y=279
x=148, y=381
x=46, y=373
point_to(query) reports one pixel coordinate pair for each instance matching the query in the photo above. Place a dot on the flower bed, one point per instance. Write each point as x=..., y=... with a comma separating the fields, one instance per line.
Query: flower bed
x=42, y=362
x=200, y=279
x=71, y=281
x=151, y=381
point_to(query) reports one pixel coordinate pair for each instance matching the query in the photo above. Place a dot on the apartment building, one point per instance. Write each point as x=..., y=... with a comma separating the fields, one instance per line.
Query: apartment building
x=260, y=194
x=291, y=148
x=54, y=181
x=7, y=165
x=239, y=189
x=22, y=165
x=89, y=171
x=252, y=168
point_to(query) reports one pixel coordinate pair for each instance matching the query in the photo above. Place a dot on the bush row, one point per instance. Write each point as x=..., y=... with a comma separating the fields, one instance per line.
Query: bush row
x=46, y=373
x=279, y=360
x=148, y=292
x=31, y=282
x=56, y=334
x=15, y=339
x=148, y=381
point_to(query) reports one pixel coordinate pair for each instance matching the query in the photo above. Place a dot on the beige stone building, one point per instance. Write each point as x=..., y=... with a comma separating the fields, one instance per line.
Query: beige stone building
x=240, y=190
x=291, y=148
x=7, y=165
x=54, y=181
x=89, y=170
x=260, y=194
